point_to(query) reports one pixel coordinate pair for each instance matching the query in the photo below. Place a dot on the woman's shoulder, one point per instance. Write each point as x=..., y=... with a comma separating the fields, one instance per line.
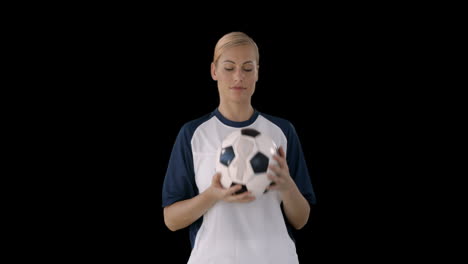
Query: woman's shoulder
x=191, y=125
x=281, y=122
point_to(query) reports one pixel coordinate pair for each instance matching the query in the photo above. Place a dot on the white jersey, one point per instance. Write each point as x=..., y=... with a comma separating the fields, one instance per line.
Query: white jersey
x=231, y=233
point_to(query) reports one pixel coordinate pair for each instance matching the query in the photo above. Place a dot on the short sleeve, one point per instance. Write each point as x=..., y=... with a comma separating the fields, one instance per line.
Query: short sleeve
x=179, y=182
x=298, y=167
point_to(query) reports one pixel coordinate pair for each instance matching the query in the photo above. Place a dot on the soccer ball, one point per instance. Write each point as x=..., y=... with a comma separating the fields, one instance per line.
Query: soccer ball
x=244, y=158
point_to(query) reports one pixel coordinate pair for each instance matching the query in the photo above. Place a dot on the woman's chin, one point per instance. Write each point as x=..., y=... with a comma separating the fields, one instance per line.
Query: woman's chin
x=239, y=99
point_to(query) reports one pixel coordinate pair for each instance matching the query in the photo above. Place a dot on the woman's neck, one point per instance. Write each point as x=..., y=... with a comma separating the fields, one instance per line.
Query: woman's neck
x=236, y=112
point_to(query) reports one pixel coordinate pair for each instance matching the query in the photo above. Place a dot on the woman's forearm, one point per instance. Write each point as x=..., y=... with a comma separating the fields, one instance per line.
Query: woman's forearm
x=296, y=207
x=183, y=213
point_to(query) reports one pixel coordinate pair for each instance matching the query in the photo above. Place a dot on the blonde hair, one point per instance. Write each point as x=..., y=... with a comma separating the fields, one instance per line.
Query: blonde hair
x=233, y=39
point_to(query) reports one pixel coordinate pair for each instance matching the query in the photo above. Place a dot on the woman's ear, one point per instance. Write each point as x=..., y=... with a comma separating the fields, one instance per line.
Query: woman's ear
x=256, y=76
x=213, y=72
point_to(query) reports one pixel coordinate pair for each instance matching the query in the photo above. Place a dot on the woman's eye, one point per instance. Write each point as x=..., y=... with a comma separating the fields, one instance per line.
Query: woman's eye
x=248, y=70
x=228, y=69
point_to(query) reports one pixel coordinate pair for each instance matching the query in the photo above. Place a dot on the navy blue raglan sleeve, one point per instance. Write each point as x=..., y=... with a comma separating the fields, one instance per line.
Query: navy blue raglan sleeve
x=179, y=182
x=297, y=165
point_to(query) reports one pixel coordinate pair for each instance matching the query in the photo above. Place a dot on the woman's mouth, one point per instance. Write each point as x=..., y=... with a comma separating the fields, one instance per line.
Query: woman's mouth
x=237, y=88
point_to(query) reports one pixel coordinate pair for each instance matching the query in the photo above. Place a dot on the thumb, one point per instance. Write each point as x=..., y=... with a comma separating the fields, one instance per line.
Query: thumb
x=216, y=178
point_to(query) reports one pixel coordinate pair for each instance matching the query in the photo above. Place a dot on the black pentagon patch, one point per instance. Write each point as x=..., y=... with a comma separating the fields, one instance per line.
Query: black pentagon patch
x=250, y=132
x=243, y=189
x=259, y=163
x=227, y=155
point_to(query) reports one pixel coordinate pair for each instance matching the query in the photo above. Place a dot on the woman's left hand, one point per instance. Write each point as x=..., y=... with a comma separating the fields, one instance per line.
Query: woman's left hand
x=281, y=179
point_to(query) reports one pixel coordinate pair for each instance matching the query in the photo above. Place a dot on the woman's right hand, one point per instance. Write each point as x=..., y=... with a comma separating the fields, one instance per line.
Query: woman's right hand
x=228, y=195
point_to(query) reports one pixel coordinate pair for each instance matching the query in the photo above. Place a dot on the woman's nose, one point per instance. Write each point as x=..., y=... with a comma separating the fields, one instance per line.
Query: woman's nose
x=239, y=75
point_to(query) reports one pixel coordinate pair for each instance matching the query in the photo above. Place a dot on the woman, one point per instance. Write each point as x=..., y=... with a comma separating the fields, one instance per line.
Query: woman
x=226, y=227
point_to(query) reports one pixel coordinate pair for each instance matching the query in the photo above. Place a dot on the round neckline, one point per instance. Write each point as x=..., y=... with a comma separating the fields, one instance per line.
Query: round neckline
x=231, y=123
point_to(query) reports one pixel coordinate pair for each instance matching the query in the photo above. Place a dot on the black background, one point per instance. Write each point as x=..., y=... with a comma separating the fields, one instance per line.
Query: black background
x=121, y=86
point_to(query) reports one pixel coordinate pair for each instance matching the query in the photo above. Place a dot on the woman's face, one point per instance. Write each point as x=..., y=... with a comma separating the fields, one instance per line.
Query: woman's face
x=236, y=72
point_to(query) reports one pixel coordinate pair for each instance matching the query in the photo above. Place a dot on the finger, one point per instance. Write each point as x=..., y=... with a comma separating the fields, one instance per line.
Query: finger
x=275, y=169
x=274, y=178
x=281, y=161
x=234, y=189
x=281, y=152
x=247, y=199
x=273, y=187
x=243, y=197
